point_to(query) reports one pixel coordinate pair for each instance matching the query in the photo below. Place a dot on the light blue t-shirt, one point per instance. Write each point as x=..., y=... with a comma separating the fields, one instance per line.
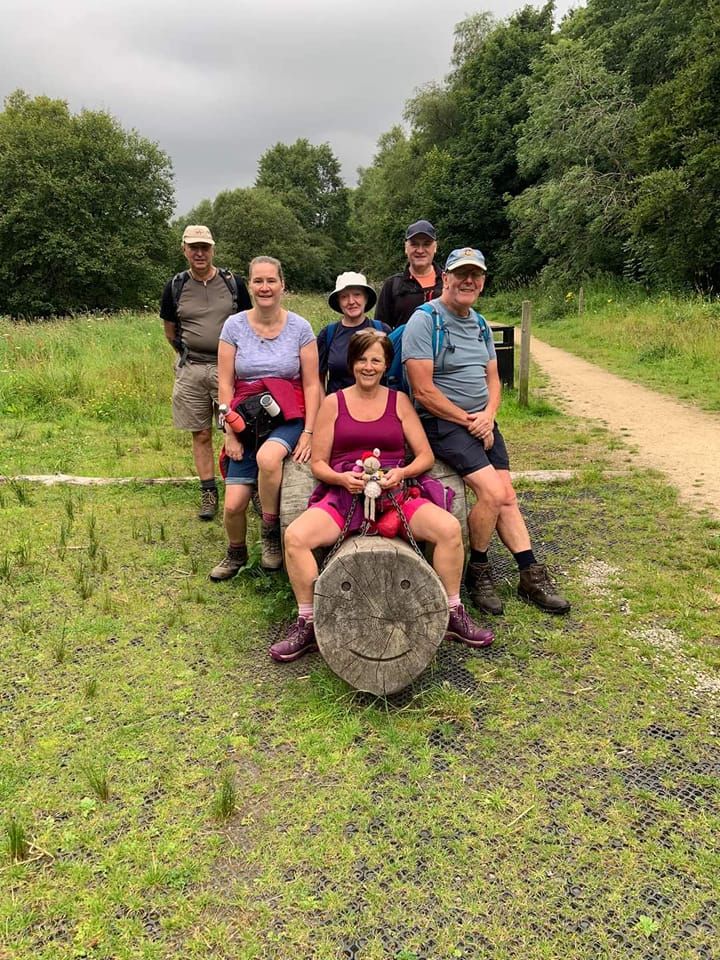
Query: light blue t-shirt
x=256, y=357
x=459, y=373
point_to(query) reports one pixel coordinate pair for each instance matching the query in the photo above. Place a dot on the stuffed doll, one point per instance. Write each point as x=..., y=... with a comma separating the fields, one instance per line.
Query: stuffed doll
x=372, y=473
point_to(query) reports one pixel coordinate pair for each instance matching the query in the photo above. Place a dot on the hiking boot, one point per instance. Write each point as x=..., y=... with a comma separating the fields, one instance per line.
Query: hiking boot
x=536, y=587
x=461, y=627
x=299, y=640
x=208, y=504
x=478, y=580
x=271, y=556
x=233, y=561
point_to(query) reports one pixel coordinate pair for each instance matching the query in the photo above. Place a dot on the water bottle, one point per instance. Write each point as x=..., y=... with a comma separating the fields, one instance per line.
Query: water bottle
x=270, y=405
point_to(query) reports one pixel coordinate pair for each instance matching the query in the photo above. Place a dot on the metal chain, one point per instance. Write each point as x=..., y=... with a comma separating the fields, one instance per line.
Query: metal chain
x=343, y=533
x=363, y=531
x=406, y=526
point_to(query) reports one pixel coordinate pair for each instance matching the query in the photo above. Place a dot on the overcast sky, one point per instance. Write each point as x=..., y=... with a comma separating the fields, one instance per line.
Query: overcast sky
x=216, y=84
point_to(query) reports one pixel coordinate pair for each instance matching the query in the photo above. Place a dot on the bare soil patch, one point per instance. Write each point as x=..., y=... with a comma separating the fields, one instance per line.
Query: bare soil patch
x=678, y=440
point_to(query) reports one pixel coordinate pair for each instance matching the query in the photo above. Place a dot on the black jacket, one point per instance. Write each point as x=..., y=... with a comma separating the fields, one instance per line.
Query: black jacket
x=401, y=295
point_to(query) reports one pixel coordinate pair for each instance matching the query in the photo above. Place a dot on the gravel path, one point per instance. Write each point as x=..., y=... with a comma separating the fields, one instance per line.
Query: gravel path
x=680, y=441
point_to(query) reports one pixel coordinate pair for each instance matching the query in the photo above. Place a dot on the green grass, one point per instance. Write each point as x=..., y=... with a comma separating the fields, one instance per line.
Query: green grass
x=167, y=791
x=667, y=342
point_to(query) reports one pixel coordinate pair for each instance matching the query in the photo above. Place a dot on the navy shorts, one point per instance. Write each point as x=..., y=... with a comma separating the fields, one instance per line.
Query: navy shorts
x=246, y=470
x=463, y=452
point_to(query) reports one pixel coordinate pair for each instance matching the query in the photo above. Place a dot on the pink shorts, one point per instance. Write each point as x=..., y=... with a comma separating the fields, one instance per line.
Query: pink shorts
x=409, y=507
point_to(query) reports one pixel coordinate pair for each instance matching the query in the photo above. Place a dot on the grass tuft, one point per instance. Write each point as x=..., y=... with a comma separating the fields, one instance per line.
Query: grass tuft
x=97, y=779
x=84, y=580
x=17, y=841
x=21, y=490
x=225, y=799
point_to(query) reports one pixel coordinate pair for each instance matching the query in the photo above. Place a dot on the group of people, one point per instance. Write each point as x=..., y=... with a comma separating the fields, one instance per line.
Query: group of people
x=331, y=404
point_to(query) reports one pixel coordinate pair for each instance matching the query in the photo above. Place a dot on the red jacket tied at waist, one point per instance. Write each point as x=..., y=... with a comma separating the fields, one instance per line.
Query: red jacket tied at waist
x=288, y=394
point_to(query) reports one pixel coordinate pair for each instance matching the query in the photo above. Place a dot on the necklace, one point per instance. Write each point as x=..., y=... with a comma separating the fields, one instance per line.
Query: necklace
x=212, y=273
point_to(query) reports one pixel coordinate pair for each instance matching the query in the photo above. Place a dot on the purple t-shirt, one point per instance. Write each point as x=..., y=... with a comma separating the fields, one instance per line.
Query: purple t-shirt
x=256, y=357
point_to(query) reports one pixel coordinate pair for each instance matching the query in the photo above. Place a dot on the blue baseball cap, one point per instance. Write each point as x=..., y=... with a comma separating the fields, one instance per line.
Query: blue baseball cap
x=465, y=256
x=420, y=226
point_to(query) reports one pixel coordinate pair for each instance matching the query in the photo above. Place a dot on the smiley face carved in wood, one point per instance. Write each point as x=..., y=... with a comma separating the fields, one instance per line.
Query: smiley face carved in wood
x=380, y=614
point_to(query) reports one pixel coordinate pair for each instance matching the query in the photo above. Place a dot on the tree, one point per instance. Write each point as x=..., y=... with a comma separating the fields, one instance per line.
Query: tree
x=84, y=209
x=307, y=179
x=253, y=221
x=674, y=223
x=577, y=143
x=387, y=199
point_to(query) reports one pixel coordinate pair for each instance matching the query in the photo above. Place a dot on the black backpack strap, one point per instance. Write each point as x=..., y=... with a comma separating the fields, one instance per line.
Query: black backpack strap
x=324, y=358
x=231, y=283
x=178, y=282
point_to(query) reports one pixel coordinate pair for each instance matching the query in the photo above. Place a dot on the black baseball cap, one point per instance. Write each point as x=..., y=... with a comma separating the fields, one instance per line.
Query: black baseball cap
x=421, y=226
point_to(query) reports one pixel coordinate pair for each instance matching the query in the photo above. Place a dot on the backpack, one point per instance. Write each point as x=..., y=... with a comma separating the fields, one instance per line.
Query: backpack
x=396, y=378
x=331, y=330
x=180, y=279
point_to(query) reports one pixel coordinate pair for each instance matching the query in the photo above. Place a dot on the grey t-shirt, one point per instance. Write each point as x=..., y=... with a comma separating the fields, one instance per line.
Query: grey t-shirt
x=202, y=310
x=459, y=373
x=256, y=357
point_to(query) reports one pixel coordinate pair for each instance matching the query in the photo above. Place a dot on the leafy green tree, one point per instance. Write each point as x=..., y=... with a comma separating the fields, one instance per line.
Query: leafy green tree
x=253, y=221
x=674, y=223
x=458, y=162
x=308, y=181
x=479, y=167
x=577, y=144
x=637, y=39
x=386, y=200
x=84, y=209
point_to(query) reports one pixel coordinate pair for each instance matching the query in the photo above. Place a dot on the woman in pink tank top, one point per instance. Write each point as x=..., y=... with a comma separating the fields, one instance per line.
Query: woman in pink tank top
x=362, y=417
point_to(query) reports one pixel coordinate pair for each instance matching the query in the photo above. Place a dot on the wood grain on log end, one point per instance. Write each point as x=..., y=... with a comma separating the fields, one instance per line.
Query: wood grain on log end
x=380, y=614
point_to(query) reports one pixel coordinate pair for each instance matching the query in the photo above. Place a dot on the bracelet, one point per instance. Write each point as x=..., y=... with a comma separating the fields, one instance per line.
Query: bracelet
x=309, y=432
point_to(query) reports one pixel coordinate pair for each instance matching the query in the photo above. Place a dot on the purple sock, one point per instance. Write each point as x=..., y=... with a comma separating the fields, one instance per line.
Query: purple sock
x=305, y=611
x=454, y=601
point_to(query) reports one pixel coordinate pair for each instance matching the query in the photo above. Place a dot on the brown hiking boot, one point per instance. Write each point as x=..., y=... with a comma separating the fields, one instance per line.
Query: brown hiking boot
x=208, y=504
x=271, y=556
x=478, y=580
x=233, y=561
x=537, y=587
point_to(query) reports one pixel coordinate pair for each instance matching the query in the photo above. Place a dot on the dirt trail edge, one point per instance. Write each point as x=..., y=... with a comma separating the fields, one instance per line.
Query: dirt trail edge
x=678, y=440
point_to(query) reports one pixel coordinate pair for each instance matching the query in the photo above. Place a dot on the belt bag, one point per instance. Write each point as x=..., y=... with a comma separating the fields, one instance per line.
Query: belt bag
x=262, y=414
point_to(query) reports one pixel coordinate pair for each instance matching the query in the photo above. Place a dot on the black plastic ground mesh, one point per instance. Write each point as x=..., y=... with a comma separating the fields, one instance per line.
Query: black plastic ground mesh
x=616, y=835
x=606, y=888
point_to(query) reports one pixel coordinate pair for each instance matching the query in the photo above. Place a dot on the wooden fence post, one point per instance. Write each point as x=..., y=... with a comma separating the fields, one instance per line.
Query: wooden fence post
x=525, y=353
x=581, y=301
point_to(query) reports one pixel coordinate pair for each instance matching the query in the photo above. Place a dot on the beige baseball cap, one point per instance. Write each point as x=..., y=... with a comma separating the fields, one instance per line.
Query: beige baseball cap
x=196, y=233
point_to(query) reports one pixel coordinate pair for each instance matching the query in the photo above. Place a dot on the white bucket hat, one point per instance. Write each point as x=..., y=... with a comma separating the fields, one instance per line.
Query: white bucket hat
x=350, y=279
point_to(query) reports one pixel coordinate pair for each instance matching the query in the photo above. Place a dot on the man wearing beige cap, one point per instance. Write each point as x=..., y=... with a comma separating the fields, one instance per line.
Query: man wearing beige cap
x=195, y=304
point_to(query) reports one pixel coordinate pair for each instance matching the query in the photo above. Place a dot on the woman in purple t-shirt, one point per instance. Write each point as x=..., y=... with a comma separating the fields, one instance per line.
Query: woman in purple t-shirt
x=364, y=416
x=267, y=343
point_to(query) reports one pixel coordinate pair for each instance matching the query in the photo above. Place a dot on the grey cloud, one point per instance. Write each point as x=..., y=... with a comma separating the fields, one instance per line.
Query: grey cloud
x=218, y=84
